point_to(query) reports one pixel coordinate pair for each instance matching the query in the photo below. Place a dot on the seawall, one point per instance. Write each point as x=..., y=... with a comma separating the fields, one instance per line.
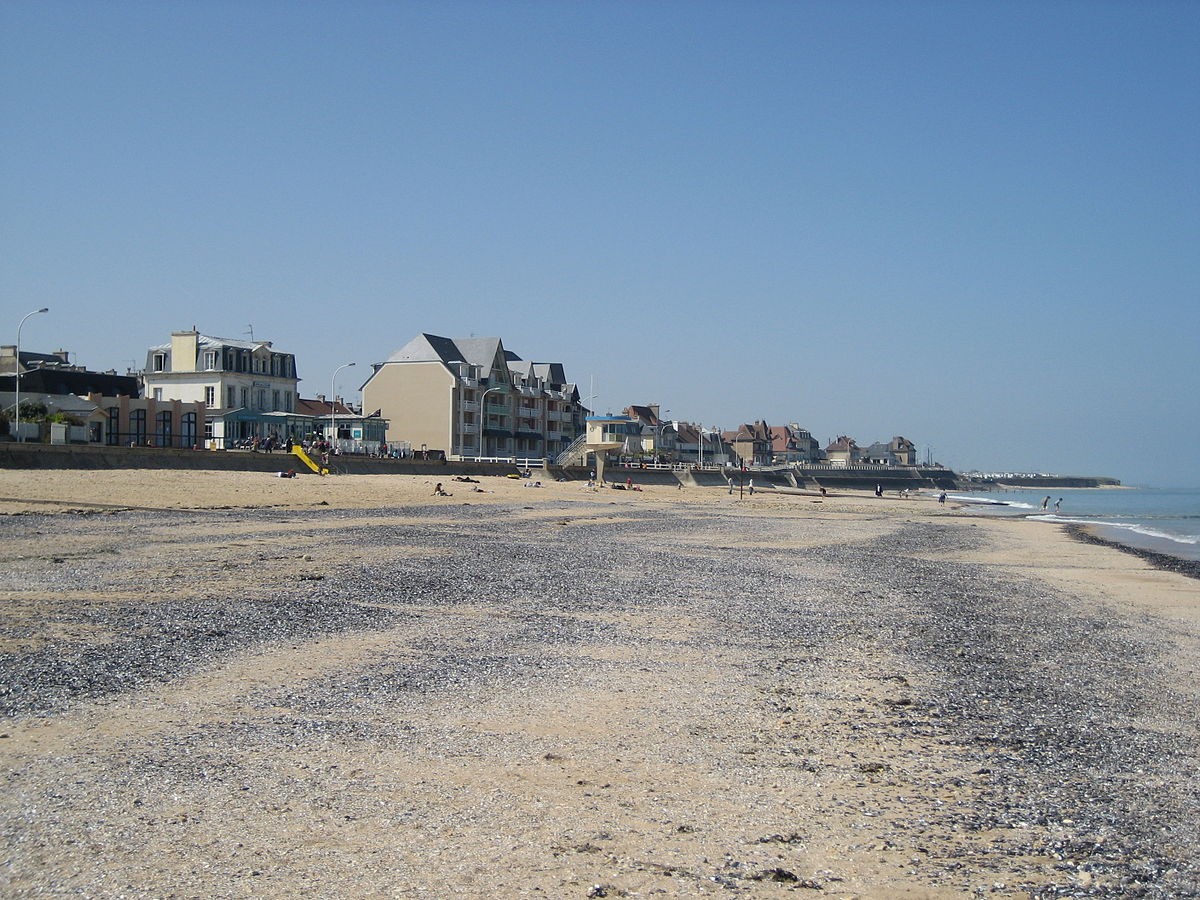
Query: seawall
x=82, y=456
x=90, y=456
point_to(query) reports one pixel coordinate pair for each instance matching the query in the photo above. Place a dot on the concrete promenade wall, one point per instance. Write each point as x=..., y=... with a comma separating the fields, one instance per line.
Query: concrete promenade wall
x=80, y=456
x=91, y=456
x=891, y=479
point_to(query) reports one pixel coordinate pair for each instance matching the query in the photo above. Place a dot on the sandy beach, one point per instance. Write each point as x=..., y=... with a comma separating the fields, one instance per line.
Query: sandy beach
x=231, y=685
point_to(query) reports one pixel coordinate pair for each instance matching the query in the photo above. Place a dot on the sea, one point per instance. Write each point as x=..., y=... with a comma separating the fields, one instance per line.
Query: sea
x=1165, y=520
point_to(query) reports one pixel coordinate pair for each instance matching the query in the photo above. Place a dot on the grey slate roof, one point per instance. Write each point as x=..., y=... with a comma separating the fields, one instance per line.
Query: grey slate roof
x=208, y=341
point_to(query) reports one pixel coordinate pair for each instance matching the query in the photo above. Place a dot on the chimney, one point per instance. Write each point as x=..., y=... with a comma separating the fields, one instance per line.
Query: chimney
x=184, y=347
x=64, y=355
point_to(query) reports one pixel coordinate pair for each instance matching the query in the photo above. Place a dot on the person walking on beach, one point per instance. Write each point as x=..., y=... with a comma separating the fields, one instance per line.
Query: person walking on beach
x=1057, y=505
x=1045, y=503
x=751, y=486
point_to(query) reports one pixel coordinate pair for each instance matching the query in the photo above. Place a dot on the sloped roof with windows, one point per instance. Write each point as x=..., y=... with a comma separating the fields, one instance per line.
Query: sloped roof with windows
x=204, y=341
x=481, y=352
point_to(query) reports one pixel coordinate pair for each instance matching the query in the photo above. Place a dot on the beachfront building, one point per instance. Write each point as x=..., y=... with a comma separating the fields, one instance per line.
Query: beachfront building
x=54, y=373
x=147, y=422
x=899, y=451
x=248, y=388
x=336, y=422
x=471, y=398
x=843, y=452
x=222, y=373
x=792, y=445
x=659, y=439
x=751, y=443
x=700, y=446
x=119, y=421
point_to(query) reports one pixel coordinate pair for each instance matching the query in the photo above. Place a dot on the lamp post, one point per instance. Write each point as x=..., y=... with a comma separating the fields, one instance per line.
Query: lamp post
x=17, y=372
x=662, y=427
x=333, y=399
x=483, y=417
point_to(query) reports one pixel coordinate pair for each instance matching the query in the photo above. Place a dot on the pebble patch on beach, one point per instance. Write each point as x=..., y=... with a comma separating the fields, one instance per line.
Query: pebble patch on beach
x=582, y=701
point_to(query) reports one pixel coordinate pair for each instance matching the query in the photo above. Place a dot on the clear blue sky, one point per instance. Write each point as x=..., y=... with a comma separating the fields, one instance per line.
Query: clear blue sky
x=973, y=224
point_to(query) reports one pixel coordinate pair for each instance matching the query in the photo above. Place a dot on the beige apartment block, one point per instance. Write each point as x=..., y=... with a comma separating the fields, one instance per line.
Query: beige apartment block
x=471, y=398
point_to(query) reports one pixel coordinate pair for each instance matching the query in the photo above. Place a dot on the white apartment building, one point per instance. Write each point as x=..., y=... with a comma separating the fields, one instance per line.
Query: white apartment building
x=222, y=373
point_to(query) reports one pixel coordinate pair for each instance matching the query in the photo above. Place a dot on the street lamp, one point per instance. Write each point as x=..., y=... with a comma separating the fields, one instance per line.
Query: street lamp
x=333, y=399
x=483, y=418
x=658, y=439
x=17, y=371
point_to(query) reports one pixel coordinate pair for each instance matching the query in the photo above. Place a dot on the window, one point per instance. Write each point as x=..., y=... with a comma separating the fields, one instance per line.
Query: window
x=290, y=401
x=232, y=397
x=469, y=395
x=112, y=428
x=245, y=397
x=160, y=362
x=162, y=429
x=275, y=400
x=137, y=427
x=262, y=400
x=210, y=359
x=210, y=396
x=187, y=430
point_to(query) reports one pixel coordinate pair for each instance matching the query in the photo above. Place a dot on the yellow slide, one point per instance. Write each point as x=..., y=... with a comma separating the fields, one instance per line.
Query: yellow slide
x=307, y=460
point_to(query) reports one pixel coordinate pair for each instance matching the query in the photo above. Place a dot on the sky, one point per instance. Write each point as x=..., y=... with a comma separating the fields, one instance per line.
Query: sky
x=976, y=225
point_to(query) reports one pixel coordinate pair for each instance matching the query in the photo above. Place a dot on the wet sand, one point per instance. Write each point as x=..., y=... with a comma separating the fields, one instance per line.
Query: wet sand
x=233, y=685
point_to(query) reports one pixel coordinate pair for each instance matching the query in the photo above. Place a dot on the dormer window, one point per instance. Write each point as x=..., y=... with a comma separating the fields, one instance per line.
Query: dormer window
x=160, y=362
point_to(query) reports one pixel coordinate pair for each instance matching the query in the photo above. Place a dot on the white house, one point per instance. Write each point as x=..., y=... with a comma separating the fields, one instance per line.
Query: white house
x=222, y=373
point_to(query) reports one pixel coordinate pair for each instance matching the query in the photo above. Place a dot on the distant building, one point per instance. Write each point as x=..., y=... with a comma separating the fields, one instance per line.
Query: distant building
x=659, y=439
x=843, y=452
x=752, y=444
x=899, y=451
x=792, y=444
x=53, y=373
x=469, y=397
x=700, y=446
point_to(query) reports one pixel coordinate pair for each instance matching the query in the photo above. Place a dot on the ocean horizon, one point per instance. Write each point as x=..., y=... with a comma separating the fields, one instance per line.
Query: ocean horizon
x=1161, y=519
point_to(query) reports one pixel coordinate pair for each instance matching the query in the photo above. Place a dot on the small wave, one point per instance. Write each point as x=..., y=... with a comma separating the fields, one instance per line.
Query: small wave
x=988, y=501
x=1135, y=527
